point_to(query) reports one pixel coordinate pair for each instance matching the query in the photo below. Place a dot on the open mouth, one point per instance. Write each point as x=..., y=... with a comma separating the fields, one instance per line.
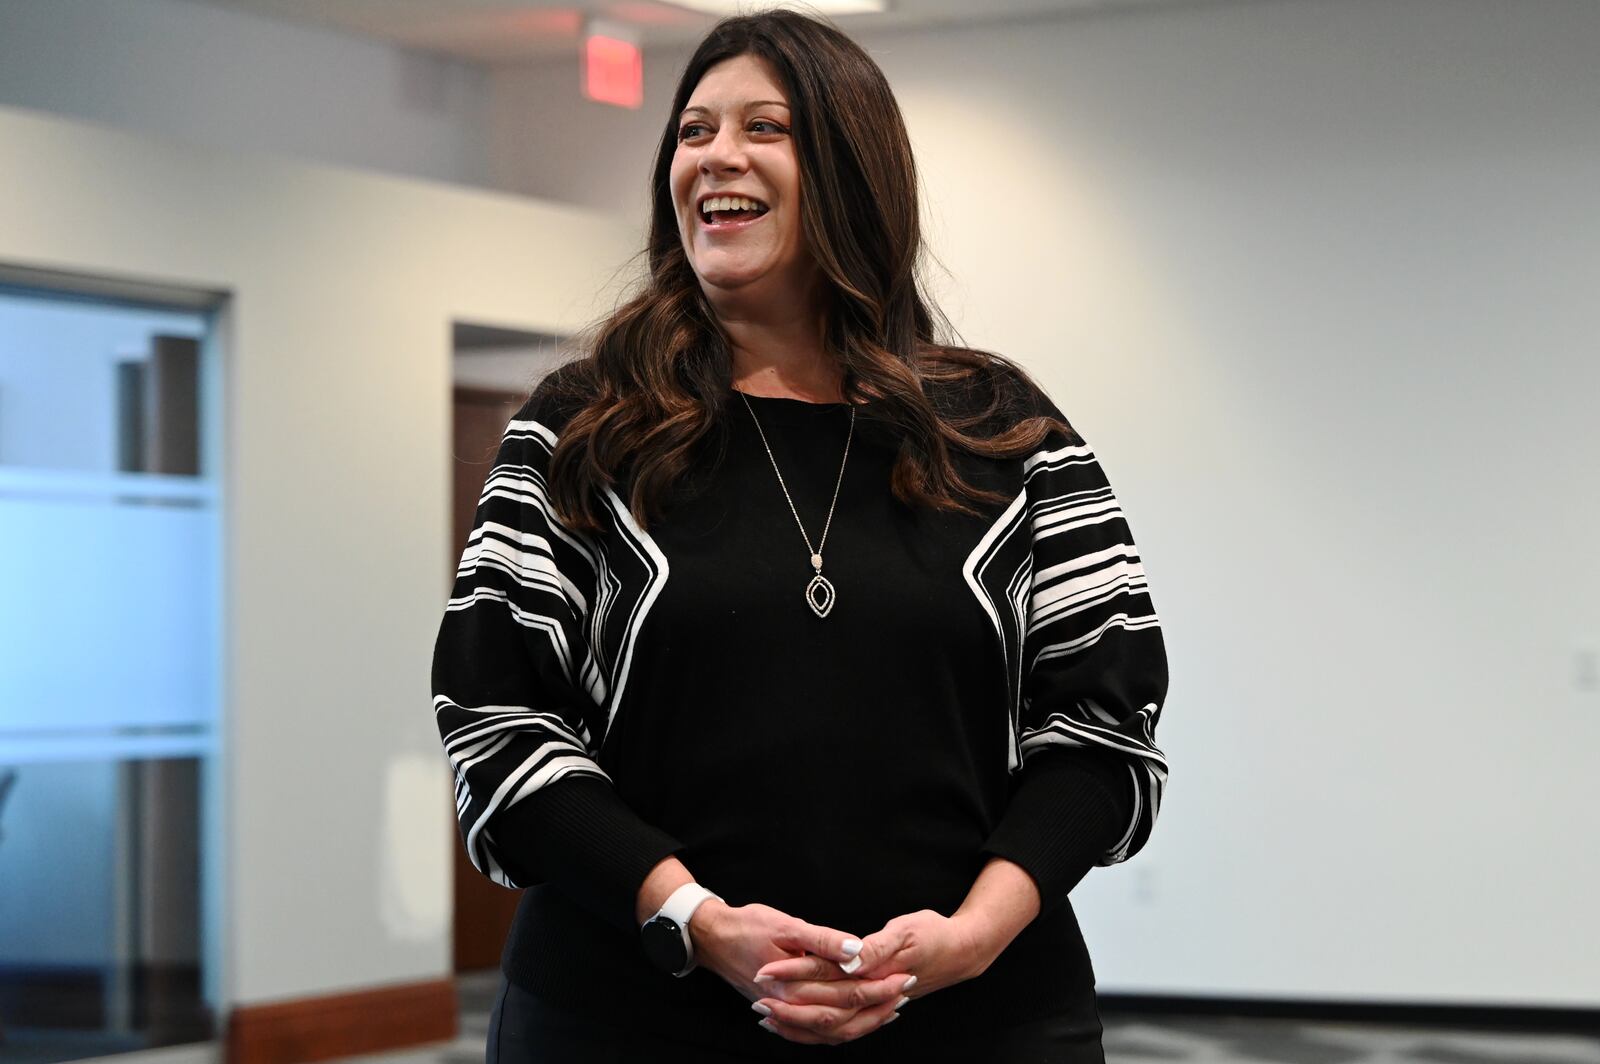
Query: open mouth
x=730, y=210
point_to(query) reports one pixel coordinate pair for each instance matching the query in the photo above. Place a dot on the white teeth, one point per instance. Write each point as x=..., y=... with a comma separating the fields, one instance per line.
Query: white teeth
x=729, y=203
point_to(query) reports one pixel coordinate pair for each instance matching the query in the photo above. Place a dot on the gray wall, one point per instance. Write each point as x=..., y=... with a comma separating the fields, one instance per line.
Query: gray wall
x=252, y=85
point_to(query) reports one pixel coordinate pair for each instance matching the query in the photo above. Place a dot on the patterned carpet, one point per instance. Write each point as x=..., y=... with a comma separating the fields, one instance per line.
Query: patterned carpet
x=1214, y=1040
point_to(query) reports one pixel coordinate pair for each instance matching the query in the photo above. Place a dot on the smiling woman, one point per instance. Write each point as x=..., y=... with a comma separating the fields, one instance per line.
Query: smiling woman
x=736, y=186
x=731, y=807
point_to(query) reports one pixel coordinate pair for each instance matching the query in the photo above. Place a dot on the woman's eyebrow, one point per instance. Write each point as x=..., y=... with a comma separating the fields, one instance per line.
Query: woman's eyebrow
x=752, y=103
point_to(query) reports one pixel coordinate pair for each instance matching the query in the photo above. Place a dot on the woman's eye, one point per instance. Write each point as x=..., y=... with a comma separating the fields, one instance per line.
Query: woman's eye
x=760, y=125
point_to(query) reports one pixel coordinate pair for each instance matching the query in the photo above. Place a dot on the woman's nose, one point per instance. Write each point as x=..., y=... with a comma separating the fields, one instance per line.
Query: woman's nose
x=724, y=153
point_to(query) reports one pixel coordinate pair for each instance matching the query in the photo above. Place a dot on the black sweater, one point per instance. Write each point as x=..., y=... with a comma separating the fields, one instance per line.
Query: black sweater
x=981, y=686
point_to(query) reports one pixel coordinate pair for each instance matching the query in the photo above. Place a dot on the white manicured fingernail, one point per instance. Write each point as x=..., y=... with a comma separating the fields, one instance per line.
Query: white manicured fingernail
x=767, y=1025
x=765, y=1011
x=892, y=1017
x=768, y=979
x=851, y=947
x=850, y=966
x=908, y=984
x=902, y=1001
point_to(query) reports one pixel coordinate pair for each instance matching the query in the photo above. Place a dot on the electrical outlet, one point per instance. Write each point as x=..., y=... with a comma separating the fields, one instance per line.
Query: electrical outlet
x=1144, y=885
x=1586, y=669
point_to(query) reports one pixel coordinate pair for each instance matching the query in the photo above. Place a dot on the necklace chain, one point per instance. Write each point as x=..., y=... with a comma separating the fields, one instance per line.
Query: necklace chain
x=816, y=552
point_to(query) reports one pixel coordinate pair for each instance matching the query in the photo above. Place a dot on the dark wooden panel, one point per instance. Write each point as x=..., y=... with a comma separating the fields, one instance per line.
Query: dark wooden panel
x=483, y=910
x=342, y=1025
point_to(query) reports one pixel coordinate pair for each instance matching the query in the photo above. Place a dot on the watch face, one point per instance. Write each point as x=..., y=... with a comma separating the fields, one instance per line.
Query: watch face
x=663, y=944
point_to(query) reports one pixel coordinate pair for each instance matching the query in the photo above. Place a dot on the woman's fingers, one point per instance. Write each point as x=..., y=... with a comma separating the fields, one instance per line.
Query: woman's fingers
x=819, y=968
x=793, y=969
x=877, y=958
x=823, y=941
x=851, y=994
x=821, y=1023
x=793, y=1034
x=880, y=951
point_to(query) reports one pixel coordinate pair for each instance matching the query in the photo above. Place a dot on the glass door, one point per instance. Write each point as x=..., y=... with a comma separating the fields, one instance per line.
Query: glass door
x=109, y=675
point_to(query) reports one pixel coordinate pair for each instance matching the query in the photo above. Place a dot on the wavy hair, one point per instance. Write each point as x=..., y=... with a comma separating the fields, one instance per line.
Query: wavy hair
x=656, y=376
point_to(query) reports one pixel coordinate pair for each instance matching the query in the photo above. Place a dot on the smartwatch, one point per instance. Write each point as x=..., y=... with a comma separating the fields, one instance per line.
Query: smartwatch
x=666, y=934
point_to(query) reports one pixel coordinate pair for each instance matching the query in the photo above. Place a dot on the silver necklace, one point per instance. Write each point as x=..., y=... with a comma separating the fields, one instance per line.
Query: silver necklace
x=820, y=595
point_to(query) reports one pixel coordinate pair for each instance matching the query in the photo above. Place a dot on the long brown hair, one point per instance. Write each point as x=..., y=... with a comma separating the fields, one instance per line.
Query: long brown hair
x=657, y=375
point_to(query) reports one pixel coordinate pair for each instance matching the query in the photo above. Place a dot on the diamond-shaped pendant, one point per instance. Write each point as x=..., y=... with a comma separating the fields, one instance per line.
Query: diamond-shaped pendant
x=819, y=595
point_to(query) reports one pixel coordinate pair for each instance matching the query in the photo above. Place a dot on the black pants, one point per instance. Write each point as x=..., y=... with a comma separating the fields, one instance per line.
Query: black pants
x=526, y=1029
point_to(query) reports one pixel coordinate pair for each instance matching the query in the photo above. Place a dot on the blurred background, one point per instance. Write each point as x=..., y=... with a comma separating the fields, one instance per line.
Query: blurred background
x=1318, y=279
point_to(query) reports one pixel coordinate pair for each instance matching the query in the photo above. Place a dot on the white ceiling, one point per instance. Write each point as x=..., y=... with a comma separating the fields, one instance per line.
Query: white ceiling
x=498, y=31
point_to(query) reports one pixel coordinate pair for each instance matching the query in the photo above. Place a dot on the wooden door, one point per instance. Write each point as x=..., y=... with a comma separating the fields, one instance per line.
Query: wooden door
x=483, y=910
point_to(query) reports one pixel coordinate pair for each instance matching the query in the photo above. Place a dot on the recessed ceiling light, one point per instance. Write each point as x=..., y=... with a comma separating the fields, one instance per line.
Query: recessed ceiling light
x=745, y=7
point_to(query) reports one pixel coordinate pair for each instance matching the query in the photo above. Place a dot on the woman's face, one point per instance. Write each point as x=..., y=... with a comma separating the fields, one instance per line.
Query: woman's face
x=734, y=140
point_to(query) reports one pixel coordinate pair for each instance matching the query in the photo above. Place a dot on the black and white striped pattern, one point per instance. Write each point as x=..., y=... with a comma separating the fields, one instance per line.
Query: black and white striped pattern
x=537, y=640
x=1060, y=578
x=537, y=610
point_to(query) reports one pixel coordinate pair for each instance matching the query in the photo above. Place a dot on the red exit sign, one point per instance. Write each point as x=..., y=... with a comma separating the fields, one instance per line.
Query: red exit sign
x=613, y=71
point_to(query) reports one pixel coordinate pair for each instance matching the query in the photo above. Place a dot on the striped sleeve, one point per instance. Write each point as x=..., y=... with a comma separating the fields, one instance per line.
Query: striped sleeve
x=1094, y=679
x=517, y=694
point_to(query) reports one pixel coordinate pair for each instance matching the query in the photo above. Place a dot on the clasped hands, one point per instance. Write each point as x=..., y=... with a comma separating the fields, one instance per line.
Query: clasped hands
x=814, y=984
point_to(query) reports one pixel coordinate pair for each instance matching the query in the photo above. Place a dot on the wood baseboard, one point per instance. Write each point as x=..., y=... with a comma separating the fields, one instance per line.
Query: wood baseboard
x=342, y=1025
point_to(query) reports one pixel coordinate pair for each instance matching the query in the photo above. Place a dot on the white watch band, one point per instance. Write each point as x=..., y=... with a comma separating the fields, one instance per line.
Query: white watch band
x=679, y=908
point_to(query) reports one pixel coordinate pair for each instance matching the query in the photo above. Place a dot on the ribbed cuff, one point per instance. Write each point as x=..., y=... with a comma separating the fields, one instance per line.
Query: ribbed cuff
x=1070, y=807
x=587, y=841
